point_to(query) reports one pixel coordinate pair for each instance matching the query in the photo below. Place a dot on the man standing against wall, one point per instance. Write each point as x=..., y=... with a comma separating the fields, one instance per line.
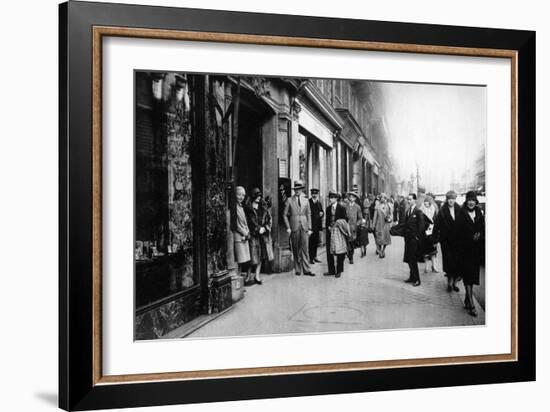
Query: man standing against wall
x=297, y=218
x=316, y=209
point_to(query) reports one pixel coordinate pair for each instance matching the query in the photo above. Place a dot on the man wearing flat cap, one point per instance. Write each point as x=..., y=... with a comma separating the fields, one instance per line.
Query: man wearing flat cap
x=297, y=218
x=316, y=224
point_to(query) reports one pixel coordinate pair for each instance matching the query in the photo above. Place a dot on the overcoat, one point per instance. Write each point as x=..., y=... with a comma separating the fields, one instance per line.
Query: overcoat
x=445, y=230
x=429, y=240
x=330, y=223
x=411, y=229
x=471, y=247
x=241, y=233
x=340, y=214
x=261, y=246
x=316, y=209
x=339, y=237
x=354, y=214
x=382, y=214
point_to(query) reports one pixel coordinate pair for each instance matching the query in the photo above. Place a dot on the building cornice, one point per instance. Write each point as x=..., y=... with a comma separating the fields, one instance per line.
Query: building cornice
x=318, y=101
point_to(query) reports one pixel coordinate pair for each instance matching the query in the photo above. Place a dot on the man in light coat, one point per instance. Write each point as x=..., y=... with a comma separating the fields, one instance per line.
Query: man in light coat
x=355, y=216
x=297, y=218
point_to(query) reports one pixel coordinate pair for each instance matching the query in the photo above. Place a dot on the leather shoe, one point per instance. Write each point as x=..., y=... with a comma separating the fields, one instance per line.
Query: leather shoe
x=316, y=260
x=449, y=289
x=298, y=274
x=338, y=274
x=311, y=262
x=309, y=274
x=258, y=282
x=417, y=283
x=328, y=274
x=409, y=280
x=456, y=288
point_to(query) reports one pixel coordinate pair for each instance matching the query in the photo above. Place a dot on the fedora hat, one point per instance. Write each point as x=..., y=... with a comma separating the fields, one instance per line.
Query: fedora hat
x=298, y=184
x=354, y=192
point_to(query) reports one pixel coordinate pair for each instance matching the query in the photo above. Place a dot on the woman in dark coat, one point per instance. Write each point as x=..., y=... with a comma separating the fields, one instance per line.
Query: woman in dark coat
x=470, y=226
x=445, y=231
x=259, y=223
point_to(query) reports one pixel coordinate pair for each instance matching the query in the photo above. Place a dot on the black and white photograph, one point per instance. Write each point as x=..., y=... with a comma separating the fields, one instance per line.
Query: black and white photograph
x=284, y=205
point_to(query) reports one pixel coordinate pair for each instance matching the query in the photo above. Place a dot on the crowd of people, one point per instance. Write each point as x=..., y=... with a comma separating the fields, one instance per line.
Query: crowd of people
x=349, y=219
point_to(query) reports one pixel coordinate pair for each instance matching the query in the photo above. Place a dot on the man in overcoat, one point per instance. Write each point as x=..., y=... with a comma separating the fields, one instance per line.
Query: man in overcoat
x=412, y=231
x=316, y=224
x=297, y=218
x=334, y=212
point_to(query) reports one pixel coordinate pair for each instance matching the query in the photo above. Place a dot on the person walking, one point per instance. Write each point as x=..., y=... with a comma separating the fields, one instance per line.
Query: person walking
x=429, y=240
x=445, y=231
x=355, y=216
x=297, y=219
x=411, y=229
x=316, y=225
x=259, y=223
x=383, y=218
x=239, y=227
x=470, y=227
x=367, y=223
x=334, y=212
x=363, y=236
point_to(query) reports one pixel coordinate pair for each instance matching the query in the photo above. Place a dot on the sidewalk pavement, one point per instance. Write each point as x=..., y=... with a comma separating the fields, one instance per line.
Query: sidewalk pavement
x=371, y=294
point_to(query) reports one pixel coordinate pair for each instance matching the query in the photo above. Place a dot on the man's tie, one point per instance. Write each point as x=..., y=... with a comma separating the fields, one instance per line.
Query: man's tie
x=299, y=203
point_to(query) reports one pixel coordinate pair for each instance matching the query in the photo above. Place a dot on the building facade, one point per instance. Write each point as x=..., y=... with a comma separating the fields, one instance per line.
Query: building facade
x=198, y=137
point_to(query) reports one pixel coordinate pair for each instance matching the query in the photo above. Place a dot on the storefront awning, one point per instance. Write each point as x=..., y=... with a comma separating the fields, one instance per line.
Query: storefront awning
x=308, y=121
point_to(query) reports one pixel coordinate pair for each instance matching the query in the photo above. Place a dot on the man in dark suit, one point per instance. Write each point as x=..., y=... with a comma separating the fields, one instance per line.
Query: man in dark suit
x=401, y=209
x=317, y=214
x=334, y=212
x=412, y=232
x=297, y=218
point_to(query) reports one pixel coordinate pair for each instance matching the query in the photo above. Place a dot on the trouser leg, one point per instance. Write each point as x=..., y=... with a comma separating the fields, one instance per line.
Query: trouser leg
x=303, y=248
x=340, y=262
x=294, y=239
x=330, y=256
x=313, y=242
x=413, y=268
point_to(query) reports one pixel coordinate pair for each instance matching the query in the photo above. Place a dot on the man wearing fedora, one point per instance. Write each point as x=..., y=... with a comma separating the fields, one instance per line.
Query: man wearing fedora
x=316, y=224
x=297, y=218
x=355, y=217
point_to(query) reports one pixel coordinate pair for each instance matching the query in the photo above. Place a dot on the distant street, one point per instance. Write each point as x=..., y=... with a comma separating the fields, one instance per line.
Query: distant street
x=371, y=294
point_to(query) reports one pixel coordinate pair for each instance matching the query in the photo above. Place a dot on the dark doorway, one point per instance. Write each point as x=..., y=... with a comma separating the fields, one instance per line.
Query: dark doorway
x=248, y=159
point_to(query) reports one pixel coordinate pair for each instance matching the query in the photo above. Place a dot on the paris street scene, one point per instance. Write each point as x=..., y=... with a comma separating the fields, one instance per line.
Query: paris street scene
x=279, y=205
